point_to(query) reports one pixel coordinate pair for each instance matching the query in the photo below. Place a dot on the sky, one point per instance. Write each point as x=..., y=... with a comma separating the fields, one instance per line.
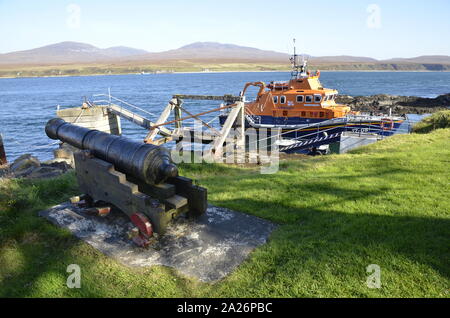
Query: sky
x=378, y=29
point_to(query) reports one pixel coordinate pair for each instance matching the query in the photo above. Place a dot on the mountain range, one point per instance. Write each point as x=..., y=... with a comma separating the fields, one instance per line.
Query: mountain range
x=75, y=52
x=68, y=52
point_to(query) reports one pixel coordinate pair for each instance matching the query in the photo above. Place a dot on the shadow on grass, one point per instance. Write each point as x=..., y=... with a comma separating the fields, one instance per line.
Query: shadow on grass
x=44, y=261
x=34, y=253
x=38, y=247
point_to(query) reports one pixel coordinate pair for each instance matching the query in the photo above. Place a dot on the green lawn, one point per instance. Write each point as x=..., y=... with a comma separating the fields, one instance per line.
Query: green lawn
x=386, y=204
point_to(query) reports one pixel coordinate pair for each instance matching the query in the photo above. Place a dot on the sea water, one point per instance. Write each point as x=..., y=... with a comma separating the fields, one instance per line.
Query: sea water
x=26, y=104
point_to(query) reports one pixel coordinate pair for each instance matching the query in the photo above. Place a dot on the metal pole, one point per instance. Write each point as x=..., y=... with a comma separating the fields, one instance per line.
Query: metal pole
x=3, y=160
x=192, y=116
x=360, y=127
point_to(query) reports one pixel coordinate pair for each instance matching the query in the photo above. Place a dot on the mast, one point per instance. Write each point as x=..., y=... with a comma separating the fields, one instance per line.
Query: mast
x=298, y=70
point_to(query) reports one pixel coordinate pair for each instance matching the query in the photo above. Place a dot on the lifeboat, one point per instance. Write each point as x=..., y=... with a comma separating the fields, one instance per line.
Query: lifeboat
x=302, y=108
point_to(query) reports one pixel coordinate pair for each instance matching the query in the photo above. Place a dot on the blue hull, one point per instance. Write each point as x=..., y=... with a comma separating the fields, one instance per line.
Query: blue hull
x=322, y=130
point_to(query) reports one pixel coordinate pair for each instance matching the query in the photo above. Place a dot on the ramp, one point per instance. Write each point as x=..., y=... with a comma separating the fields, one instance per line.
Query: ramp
x=313, y=142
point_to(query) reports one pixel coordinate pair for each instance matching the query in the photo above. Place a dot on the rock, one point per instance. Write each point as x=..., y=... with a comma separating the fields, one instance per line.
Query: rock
x=344, y=99
x=50, y=169
x=65, y=153
x=62, y=164
x=45, y=172
x=28, y=166
x=23, y=173
x=444, y=99
x=62, y=153
x=399, y=104
x=24, y=165
x=68, y=162
x=4, y=171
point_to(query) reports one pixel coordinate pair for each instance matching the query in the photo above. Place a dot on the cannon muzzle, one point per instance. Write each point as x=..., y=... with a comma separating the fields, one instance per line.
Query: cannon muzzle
x=149, y=163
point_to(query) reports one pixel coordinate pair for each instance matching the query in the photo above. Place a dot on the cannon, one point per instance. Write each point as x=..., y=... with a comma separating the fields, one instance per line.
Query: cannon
x=139, y=179
x=149, y=163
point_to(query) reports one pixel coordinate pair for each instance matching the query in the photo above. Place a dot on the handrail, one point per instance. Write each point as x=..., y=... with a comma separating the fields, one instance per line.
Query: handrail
x=126, y=103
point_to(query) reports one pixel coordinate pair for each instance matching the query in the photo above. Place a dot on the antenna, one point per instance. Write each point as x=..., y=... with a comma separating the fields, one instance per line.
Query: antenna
x=294, y=47
x=296, y=68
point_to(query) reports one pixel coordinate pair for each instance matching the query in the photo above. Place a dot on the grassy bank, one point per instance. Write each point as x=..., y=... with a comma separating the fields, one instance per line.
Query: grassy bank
x=387, y=203
x=437, y=120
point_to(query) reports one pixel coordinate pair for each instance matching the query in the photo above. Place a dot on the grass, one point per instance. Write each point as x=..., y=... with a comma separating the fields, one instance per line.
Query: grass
x=387, y=203
x=437, y=120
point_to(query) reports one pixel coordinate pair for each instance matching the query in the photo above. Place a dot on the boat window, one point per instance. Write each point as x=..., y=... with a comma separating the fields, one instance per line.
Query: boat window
x=317, y=98
x=300, y=98
x=321, y=114
x=303, y=114
x=275, y=99
x=282, y=99
x=309, y=98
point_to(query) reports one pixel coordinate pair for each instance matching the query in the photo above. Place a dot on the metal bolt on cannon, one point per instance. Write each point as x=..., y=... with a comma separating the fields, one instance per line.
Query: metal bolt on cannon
x=139, y=179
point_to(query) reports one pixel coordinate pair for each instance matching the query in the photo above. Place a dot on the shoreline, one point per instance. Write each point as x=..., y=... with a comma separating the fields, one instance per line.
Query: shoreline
x=220, y=72
x=51, y=146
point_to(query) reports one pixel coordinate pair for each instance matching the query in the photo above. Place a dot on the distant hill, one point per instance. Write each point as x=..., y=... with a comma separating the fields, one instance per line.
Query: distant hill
x=430, y=59
x=342, y=59
x=68, y=52
x=69, y=58
x=123, y=51
x=218, y=51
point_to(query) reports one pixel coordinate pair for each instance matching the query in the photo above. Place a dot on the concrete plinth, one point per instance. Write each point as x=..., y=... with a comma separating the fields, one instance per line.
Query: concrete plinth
x=93, y=118
x=208, y=248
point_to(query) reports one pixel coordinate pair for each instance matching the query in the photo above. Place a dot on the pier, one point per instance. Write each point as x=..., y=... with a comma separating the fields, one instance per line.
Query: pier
x=229, y=141
x=230, y=136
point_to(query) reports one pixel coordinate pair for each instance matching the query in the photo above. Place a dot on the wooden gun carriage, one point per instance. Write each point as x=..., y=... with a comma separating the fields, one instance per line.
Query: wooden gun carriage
x=139, y=179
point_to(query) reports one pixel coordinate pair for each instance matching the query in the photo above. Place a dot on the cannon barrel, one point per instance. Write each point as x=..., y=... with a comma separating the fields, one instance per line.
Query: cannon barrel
x=149, y=163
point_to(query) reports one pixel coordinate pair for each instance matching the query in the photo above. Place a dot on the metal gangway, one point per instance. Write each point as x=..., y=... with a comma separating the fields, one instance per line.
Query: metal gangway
x=217, y=137
x=125, y=113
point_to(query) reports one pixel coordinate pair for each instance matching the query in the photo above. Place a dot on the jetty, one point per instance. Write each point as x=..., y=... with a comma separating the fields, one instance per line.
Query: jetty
x=229, y=141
